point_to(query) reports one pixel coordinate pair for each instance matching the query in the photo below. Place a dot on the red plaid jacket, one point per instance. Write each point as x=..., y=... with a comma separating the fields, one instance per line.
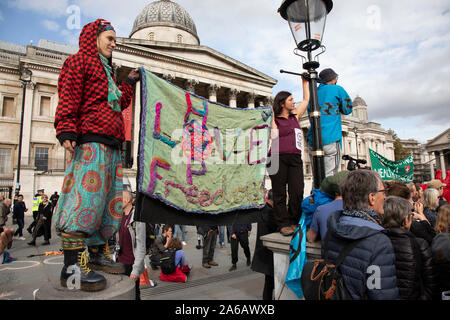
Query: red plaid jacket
x=83, y=113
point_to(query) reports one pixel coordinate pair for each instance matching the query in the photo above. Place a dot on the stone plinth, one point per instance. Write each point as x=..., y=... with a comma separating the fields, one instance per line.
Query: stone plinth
x=118, y=287
x=279, y=245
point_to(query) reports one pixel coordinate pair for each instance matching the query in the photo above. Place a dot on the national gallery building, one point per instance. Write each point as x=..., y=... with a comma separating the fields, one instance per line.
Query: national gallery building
x=164, y=40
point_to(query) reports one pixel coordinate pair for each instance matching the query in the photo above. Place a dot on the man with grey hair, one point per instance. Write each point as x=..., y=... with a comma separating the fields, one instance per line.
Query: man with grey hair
x=369, y=269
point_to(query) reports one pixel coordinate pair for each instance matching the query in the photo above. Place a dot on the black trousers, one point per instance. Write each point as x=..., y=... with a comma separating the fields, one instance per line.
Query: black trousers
x=290, y=174
x=269, y=285
x=209, y=245
x=128, y=270
x=20, y=224
x=241, y=238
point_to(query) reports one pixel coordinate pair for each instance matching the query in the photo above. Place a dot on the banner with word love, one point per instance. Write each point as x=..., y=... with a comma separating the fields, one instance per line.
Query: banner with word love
x=402, y=170
x=197, y=155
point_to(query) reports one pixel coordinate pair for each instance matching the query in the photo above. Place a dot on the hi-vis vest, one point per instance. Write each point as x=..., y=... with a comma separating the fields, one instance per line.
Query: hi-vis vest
x=36, y=202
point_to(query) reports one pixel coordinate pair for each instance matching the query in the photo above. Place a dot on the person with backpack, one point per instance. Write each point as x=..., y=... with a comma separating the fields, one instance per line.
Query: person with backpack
x=368, y=271
x=416, y=277
x=132, y=250
x=174, y=268
x=160, y=245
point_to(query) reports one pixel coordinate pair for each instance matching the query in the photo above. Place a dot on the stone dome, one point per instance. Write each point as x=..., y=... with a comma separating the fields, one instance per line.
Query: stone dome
x=167, y=14
x=359, y=101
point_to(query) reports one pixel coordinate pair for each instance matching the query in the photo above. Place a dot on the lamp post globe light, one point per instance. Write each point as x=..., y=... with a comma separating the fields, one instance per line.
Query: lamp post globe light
x=306, y=20
x=25, y=78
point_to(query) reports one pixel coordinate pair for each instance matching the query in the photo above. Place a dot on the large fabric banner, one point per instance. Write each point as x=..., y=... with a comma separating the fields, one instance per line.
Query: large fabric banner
x=200, y=156
x=402, y=170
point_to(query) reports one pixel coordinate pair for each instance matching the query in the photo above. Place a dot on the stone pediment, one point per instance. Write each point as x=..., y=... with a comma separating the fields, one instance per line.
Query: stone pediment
x=442, y=140
x=201, y=56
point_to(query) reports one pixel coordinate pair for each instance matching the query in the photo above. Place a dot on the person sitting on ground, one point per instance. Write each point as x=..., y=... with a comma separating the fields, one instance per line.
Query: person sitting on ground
x=416, y=278
x=363, y=197
x=160, y=245
x=6, y=238
x=239, y=235
x=182, y=269
x=331, y=185
x=430, y=202
x=44, y=222
x=440, y=248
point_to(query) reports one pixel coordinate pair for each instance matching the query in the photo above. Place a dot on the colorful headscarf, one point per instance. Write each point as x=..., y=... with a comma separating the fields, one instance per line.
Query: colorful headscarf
x=105, y=26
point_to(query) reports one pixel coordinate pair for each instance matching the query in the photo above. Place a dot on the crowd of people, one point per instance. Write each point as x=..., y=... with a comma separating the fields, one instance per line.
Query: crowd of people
x=402, y=229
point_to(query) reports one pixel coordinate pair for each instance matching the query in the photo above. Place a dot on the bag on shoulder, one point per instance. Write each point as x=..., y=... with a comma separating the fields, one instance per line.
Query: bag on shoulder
x=322, y=280
x=167, y=262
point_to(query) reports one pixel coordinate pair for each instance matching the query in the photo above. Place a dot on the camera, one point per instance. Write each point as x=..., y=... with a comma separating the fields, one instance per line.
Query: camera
x=354, y=164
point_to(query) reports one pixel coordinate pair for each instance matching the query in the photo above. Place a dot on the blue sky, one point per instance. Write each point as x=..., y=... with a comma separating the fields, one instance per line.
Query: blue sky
x=394, y=54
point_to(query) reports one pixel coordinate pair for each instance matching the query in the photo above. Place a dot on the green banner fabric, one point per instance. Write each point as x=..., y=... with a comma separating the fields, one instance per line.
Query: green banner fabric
x=197, y=155
x=402, y=170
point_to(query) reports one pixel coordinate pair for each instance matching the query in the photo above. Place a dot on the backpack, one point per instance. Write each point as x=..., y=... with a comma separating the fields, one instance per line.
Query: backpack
x=322, y=280
x=167, y=262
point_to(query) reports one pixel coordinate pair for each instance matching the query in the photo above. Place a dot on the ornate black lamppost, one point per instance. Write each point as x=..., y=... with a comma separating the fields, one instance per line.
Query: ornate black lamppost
x=306, y=20
x=25, y=78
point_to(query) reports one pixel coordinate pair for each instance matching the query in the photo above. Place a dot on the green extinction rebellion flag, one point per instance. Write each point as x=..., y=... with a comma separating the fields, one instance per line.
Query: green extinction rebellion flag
x=401, y=170
x=198, y=155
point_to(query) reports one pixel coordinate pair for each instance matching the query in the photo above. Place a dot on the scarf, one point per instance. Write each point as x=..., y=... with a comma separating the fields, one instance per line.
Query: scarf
x=114, y=93
x=368, y=214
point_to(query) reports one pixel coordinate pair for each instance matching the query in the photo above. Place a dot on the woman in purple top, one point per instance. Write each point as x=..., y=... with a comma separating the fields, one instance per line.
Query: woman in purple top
x=286, y=146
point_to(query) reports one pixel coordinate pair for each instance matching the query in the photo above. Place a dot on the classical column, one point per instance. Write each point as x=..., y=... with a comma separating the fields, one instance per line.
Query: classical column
x=137, y=121
x=250, y=98
x=268, y=101
x=431, y=165
x=212, y=91
x=442, y=159
x=232, y=96
x=190, y=85
x=27, y=122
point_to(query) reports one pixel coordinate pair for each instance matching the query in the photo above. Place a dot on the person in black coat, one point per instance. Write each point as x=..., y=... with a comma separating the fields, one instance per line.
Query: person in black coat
x=239, y=235
x=44, y=222
x=262, y=256
x=19, y=214
x=416, y=278
x=440, y=248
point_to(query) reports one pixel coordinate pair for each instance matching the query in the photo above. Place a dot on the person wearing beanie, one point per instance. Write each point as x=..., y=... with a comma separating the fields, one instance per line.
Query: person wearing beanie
x=331, y=186
x=89, y=124
x=333, y=102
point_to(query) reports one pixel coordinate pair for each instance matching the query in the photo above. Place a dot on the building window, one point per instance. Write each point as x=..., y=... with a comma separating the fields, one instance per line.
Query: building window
x=5, y=161
x=151, y=36
x=8, y=107
x=41, y=159
x=179, y=38
x=44, y=109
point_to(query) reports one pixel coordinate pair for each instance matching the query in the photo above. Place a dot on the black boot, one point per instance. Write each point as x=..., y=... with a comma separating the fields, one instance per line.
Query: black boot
x=100, y=259
x=75, y=262
x=32, y=242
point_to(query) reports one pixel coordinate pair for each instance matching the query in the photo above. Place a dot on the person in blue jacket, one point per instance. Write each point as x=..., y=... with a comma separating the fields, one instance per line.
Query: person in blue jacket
x=333, y=101
x=369, y=269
